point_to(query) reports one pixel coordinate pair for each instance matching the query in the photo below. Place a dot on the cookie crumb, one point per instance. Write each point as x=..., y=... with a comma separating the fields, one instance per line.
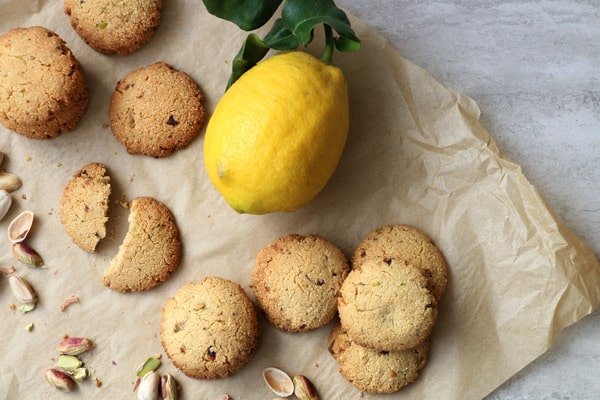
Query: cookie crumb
x=98, y=382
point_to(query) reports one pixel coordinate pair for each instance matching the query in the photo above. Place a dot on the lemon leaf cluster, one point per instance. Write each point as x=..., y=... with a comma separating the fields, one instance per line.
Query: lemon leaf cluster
x=295, y=28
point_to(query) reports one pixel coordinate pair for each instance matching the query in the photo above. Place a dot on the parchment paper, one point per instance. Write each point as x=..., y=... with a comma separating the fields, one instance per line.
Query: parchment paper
x=417, y=154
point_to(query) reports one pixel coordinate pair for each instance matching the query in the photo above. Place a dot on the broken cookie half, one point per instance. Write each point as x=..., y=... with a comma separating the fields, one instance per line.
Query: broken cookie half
x=84, y=206
x=151, y=250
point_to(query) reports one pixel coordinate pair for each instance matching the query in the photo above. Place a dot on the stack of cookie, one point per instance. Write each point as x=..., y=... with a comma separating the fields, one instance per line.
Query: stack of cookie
x=387, y=307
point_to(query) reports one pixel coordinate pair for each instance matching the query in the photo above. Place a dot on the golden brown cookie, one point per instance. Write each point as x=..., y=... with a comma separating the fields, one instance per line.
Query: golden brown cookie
x=151, y=250
x=296, y=281
x=114, y=26
x=156, y=110
x=376, y=371
x=42, y=88
x=385, y=307
x=84, y=206
x=210, y=328
x=408, y=245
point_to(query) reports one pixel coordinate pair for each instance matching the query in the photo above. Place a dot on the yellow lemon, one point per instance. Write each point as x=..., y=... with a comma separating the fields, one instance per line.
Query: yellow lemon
x=277, y=134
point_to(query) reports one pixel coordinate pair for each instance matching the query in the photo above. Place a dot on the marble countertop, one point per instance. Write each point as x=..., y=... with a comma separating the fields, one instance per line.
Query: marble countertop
x=533, y=66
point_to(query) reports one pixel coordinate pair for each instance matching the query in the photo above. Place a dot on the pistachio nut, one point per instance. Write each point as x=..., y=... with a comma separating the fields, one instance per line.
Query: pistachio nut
x=68, y=363
x=20, y=226
x=304, y=389
x=9, y=182
x=150, y=365
x=74, y=346
x=25, y=308
x=148, y=388
x=25, y=254
x=5, y=202
x=59, y=379
x=79, y=374
x=168, y=387
x=22, y=290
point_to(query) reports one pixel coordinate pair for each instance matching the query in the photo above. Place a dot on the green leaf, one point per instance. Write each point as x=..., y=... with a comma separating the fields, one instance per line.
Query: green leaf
x=280, y=37
x=253, y=50
x=301, y=17
x=343, y=44
x=247, y=14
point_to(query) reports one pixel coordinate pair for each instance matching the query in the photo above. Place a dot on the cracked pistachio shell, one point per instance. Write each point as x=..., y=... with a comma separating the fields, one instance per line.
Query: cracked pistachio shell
x=20, y=226
x=278, y=381
x=148, y=388
x=9, y=182
x=22, y=290
x=5, y=203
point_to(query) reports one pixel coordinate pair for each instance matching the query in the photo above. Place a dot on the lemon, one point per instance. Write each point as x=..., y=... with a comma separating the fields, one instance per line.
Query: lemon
x=277, y=134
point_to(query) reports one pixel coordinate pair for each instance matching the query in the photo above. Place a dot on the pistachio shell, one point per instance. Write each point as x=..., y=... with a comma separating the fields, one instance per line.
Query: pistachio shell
x=5, y=202
x=9, y=182
x=20, y=226
x=278, y=381
x=22, y=290
x=148, y=388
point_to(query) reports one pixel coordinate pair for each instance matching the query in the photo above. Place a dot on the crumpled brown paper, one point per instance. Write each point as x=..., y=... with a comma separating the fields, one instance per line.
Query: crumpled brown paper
x=417, y=154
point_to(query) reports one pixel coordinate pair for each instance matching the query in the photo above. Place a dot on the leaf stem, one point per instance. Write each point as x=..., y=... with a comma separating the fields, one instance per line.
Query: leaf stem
x=329, y=45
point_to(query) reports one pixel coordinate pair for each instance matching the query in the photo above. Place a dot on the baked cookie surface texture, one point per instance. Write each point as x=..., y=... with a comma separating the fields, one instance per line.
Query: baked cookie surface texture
x=387, y=307
x=42, y=88
x=409, y=245
x=376, y=371
x=110, y=26
x=296, y=280
x=151, y=250
x=156, y=110
x=84, y=206
x=209, y=329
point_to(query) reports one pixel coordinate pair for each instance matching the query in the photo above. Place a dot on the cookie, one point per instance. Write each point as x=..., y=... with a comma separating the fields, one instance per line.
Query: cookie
x=409, y=245
x=42, y=88
x=296, y=281
x=151, y=250
x=156, y=110
x=387, y=307
x=114, y=27
x=84, y=206
x=374, y=371
x=210, y=328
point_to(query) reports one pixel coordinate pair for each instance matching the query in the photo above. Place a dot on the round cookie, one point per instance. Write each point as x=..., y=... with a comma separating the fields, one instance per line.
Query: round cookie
x=409, y=245
x=374, y=371
x=150, y=252
x=156, y=110
x=42, y=88
x=84, y=206
x=296, y=281
x=114, y=27
x=385, y=307
x=210, y=328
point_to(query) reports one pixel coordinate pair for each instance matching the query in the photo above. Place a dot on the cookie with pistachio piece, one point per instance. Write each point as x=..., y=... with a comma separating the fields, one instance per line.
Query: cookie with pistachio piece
x=84, y=206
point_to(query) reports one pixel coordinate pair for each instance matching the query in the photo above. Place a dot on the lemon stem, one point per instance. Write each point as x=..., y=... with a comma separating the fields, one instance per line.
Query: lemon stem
x=329, y=45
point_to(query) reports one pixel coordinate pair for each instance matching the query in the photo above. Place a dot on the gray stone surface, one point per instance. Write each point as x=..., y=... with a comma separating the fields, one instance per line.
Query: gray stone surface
x=534, y=69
